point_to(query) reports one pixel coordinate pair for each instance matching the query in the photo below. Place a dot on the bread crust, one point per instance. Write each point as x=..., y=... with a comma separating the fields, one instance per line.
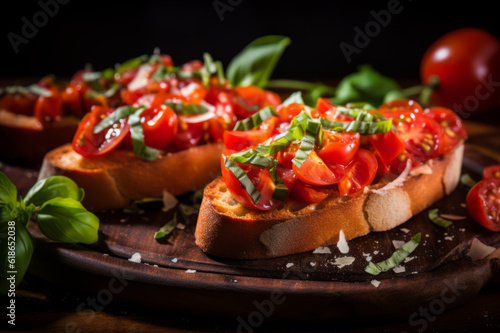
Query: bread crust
x=115, y=180
x=28, y=141
x=227, y=229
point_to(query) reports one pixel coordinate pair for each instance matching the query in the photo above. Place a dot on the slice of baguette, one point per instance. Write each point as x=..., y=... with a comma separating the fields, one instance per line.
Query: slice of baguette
x=25, y=140
x=115, y=180
x=227, y=229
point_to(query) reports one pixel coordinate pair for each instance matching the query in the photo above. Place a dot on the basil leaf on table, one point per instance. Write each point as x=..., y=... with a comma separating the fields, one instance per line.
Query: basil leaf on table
x=366, y=85
x=256, y=62
x=167, y=228
x=52, y=187
x=8, y=192
x=66, y=220
x=20, y=246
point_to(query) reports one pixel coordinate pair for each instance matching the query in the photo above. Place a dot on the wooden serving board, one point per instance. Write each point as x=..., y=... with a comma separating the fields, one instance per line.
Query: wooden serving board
x=175, y=274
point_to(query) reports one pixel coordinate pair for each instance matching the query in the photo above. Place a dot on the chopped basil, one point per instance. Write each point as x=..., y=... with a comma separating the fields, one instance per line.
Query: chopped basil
x=295, y=97
x=119, y=113
x=137, y=134
x=242, y=177
x=467, y=180
x=34, y=89
x=131, y=64
x=160, y=73
x=397, y=257
x=167, y=228
x=436, y=219
x=185, y=109
x=307, y=142
x=255, y=120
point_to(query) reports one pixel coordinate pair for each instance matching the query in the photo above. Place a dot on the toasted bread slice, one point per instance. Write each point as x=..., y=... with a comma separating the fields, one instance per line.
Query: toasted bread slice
x=25, y=140
x=227, y=229
x=115, y=180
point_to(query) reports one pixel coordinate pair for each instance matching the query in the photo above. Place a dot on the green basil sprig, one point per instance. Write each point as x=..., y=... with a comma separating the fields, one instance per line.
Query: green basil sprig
x=55, y=204
x=256, y=62
x=397, y=257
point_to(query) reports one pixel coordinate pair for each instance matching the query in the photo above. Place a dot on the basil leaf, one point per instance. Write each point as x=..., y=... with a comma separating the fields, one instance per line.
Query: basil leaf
x=16, y=250
x=367, y=85
x=396, y=258
x=438, y=220
x=242, y=177
x=160, y=73
x=295, y=97
x=66, y=220
x=137, y=134
x=186, y=108
x=107, y=93
x=8, y=192
x=255, y=120
x=307, y=142
x=363, y=128
x=131, y=64
x=119, y=113
x=167, y=228
x=53, y=187
x=256, y=62
x=34, y=89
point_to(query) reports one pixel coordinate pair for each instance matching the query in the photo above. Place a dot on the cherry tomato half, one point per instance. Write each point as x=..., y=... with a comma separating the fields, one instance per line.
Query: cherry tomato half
x=466, y=62
x=483, y=203
x=19, y=103
x=387, y=145
x=453, y=127
x=288, y=112
x=422, y=135
x=48, y=109
x=159, y=125
x=239, y=140
x=399, y=105
x=491, y=172
x=88, y=144
x=315, y=172
x=359, y=173
x=338, y=147
x=308, y=193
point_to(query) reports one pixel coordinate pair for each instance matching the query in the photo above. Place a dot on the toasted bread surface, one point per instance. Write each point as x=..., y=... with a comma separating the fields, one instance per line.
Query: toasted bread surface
x=115, y=180
x=227, y=229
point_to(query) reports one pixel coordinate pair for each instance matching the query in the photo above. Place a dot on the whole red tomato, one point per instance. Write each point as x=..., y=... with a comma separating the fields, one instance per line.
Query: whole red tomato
x=466, y=61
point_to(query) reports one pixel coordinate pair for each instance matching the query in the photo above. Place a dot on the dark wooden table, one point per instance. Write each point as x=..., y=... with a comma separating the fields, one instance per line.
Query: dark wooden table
x=47, y=307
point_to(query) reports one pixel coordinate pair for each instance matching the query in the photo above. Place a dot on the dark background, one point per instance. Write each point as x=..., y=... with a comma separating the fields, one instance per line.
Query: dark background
x=106, y=32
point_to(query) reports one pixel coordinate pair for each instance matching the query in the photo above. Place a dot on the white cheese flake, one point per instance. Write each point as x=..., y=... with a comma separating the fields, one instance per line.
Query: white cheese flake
x=174, y=260
x=342, y=243
x=344, y=261
x=181, y=226
x=399, y=269
x=453, y=217
x=408, y=259
x=312, y=263
x=478, y=250
x=290, y=264
x=397, y=244
x=136, y=257
x=191, y=271
x=169, y=201
x=376, y=283
x=322, y=250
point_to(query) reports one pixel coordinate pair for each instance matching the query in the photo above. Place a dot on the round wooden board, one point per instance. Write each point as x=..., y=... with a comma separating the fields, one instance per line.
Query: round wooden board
x=175, y=274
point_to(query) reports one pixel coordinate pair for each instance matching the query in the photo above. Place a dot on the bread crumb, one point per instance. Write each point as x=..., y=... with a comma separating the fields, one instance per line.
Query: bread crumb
x=399, y=269
x=375, y=252
x=174, y=260
x=181, y=226
x=376, y=283
x=290, y=264
x=448, y=238
x=322, y=250
x=191, y=271
x=136, y=257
